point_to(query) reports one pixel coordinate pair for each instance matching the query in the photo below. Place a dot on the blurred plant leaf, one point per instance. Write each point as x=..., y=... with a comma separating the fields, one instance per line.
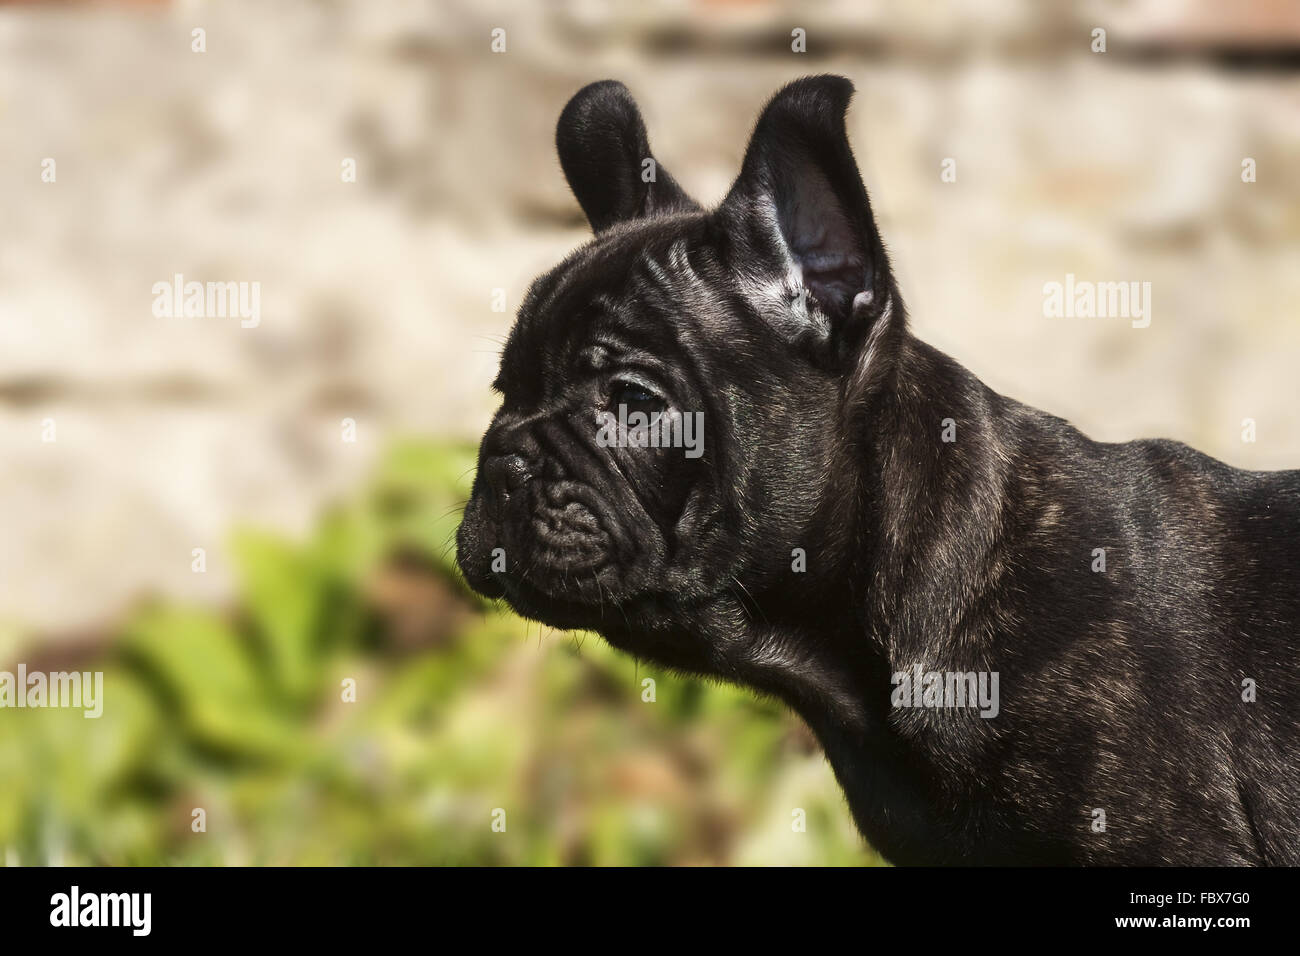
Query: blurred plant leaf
x=203, y=673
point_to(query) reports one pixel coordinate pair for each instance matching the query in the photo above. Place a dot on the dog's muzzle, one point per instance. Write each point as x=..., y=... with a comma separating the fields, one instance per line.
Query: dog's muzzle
x=528, y=538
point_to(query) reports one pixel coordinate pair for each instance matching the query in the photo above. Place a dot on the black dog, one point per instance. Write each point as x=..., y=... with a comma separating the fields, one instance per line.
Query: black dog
x=1017, y=645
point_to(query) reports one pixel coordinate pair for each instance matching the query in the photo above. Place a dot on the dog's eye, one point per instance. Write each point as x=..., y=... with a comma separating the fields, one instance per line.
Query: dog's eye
x=633, y=395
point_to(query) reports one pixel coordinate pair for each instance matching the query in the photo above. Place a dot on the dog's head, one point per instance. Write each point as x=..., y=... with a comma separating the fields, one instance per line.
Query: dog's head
x=675, y=392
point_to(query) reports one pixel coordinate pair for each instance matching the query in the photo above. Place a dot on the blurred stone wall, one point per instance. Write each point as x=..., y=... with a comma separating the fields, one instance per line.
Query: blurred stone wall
x=376, y=295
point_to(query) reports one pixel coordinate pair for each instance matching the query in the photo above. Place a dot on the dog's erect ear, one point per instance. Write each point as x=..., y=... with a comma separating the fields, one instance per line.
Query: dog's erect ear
x=800, y=190
x=606, y=158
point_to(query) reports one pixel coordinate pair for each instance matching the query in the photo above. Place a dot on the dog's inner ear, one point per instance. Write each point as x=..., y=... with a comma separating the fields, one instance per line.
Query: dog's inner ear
x=800, y=176
x=606, y=158
x=821, y=239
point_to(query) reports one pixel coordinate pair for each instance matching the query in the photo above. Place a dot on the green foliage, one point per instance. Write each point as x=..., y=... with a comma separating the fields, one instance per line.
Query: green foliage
x=242, y=714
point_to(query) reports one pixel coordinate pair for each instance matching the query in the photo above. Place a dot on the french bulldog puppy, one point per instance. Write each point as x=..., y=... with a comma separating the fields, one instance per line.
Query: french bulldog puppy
x=1016, y=645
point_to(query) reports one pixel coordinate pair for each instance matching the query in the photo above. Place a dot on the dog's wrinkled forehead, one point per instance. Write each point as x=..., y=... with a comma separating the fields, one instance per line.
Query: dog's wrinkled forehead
x=652, y=284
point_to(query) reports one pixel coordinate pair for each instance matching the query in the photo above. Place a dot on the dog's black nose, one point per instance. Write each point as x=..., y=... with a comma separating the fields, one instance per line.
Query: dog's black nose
x=506, y=473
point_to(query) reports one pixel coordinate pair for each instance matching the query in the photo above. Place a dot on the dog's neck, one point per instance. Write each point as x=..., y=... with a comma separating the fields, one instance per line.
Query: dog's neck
x=927, y=518
x=916, y=510
x=939, y=471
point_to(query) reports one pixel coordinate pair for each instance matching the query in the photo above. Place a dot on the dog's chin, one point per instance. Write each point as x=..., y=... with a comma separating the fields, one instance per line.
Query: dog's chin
x=635, y=604
x=584, y=595
x=567, y=609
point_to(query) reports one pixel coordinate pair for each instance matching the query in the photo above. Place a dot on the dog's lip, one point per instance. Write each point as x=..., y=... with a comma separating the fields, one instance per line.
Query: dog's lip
x=490, y=587
x=569, y=572
x=563, y=494
x=586, y=547
x=530, y=601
